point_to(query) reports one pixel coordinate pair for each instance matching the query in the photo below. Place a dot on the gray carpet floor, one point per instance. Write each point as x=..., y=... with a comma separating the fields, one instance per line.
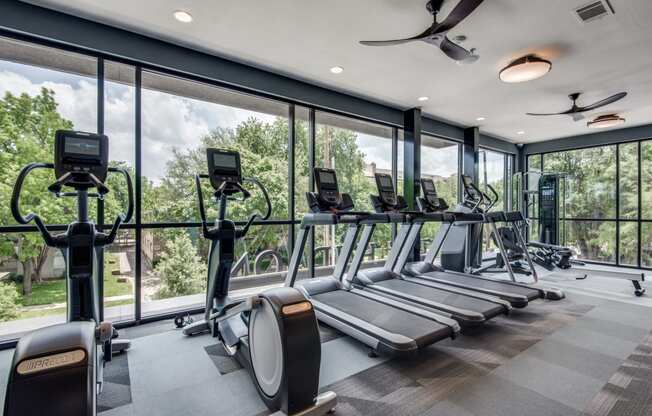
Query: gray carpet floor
x=586, y=355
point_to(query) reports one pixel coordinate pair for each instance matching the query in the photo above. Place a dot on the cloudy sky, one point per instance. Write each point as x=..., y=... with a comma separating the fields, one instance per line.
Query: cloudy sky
x=168, y=121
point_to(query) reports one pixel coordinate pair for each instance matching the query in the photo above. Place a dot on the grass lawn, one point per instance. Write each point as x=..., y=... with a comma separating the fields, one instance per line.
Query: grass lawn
x=62, y=311
x=54, y=291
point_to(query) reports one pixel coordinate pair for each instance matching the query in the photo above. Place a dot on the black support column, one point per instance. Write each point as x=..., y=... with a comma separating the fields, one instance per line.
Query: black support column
x=412, y=164
x=470, y=152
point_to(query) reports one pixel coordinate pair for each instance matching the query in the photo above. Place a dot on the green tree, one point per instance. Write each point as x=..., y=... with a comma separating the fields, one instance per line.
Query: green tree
x=182, y=271
x=27, y=127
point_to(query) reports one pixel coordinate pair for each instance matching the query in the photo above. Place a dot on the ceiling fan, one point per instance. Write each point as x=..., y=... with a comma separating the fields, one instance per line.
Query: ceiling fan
x=576, y=111
x=436, y=33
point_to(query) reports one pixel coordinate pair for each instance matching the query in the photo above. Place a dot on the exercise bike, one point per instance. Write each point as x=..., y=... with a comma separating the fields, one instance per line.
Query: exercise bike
x=57, y=370
x=274, y=335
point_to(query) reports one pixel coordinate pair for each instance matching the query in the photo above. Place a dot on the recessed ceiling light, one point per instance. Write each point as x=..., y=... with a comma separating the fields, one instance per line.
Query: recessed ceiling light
x=602, y=122
x=424, y=98
x=480, y=119
x=520, y=132
x=337, y=70
x=182, y=16
x=526, y=68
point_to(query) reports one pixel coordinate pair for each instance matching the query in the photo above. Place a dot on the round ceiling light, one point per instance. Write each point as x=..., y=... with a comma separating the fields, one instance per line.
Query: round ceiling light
x=603, y=122
x=182, y=16
x=480, y=119
x=520, y=132
x=424, y=98
x=337, y=70
x=525, y=69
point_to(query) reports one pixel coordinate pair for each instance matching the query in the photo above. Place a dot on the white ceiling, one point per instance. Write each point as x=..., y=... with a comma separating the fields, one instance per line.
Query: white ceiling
x=304, y=38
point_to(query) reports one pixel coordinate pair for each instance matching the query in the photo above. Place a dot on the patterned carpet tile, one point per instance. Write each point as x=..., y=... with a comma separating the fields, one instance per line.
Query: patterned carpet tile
x=629, y=390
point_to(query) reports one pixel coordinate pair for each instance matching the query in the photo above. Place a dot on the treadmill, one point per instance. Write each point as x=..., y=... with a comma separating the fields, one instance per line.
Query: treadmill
x=517, y=294
x=466, y=307
x=387, y=326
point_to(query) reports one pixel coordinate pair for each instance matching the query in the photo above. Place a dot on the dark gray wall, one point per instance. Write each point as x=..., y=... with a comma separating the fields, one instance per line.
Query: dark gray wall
x=589, y=140
x=34, y=21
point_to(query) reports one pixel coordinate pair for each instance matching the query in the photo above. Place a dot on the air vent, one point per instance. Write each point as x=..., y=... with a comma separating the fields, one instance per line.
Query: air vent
x=594, y=11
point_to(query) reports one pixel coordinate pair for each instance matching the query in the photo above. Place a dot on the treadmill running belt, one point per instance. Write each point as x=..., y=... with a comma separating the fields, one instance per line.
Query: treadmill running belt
x=472, y=281
x=486, y=308
x=423, y=331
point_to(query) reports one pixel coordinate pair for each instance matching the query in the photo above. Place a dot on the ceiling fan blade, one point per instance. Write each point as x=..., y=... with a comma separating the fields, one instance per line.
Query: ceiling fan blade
x=604, y=102
x=386, y=42
x=420, y=36
x=459, y=13
x=546, y=114
x=453, y=50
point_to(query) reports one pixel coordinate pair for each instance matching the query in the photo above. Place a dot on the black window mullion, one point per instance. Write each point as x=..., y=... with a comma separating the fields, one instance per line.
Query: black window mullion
x=312, y=133
x=617, y=204
x=291, y=176
x=138, y=191
x=395, y=171
x=639, y=211
x=100, y=202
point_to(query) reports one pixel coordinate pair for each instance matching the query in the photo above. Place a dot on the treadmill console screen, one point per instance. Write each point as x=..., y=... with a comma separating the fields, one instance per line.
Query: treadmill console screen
x=429, y=191
x=385, y=185
x=223, y=166
x=81, y=153
x=327, y=188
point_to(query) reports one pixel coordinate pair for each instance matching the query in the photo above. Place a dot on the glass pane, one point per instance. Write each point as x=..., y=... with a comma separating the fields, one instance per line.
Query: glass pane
x=646, y=179
x=491, y=171
x=590, y=185
x=120, y=127
x=439, y=161
x=628, y=182
x=174, y=264
x=628, y=242
x=32, y=288
x=119, y=277
x=182, y=118
x=592, y=240
x=42, y=90
x=534, y=162
x=399, y=163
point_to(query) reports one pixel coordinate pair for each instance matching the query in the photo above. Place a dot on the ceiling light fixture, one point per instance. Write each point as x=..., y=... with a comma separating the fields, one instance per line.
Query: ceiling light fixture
x=520, y=132
x=480, y=119
x=337, y=70
x=424, y=98
x=603, y=122
x=526, y=68
x=182, y=16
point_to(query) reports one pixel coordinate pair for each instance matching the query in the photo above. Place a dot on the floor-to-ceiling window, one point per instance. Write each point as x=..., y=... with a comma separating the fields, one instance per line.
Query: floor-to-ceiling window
x=180, y=119
x=602, y=201
x=495, y=171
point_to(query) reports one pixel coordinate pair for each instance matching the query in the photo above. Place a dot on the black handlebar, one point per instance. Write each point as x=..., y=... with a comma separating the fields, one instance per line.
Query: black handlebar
x=222, y=197
x=56, y=188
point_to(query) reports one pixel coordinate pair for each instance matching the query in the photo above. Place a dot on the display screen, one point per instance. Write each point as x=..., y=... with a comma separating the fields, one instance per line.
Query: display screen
x=428, y=186
x=225, y=160
x=327, y=178
x=467, y=181
x=386, y=181
x=87, y=147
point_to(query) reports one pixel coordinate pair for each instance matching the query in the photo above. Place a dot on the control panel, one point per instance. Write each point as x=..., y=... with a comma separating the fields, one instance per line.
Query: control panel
x=385, y=185
x=327, y=189
x=224, y=167
x=80, y=154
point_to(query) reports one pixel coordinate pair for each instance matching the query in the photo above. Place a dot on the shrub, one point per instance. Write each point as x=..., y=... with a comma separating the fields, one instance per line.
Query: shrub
x=8, y=302
x=182, y=271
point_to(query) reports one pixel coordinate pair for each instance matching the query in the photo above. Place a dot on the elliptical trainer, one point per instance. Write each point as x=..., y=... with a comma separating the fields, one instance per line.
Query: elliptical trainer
x=274, y=335
x=58, y=370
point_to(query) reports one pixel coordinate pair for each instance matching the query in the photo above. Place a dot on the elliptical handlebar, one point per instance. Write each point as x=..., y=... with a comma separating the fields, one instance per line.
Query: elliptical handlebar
x=106, y=239
x=222, y=197
x=56, y=188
